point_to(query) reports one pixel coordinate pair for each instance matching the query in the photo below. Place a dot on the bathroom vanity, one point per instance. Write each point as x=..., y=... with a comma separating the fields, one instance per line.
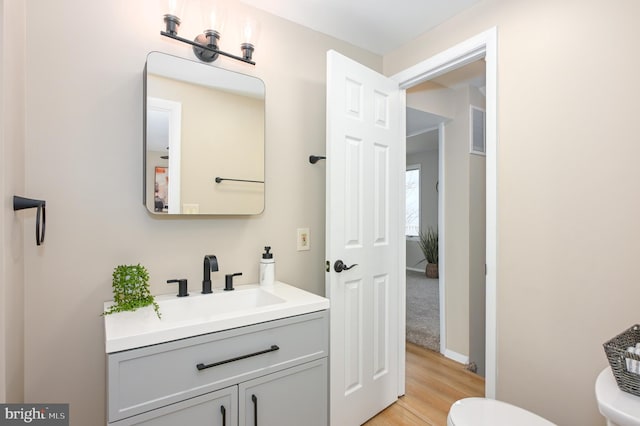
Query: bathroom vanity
x=263, y=361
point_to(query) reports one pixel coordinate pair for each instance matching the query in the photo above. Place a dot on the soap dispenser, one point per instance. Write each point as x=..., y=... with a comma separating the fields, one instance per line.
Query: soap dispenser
x=267, y=268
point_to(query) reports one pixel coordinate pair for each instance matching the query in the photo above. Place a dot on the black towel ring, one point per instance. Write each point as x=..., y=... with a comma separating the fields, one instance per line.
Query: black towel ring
x=21, y=203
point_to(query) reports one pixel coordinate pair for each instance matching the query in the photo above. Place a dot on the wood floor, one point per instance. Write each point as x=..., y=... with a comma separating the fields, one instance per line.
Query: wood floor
x=433, y=384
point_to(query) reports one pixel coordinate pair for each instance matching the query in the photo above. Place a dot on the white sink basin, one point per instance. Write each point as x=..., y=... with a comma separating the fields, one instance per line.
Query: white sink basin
x=207, y=307
x=197, y=314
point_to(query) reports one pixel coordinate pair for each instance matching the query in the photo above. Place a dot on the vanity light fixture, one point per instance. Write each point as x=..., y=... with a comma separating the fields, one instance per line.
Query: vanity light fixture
x=205, y=45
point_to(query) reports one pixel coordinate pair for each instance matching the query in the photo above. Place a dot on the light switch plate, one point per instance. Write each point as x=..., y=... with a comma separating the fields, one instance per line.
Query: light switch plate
x=303, y=242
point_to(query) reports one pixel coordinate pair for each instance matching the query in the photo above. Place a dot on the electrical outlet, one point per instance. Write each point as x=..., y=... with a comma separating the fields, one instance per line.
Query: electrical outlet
x=303, y=239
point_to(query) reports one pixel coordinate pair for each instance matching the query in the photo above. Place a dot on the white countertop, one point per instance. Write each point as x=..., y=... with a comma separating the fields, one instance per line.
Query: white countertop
x=205, y=313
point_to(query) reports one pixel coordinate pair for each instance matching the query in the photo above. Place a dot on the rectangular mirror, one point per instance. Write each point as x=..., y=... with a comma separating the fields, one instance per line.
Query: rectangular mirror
x=203, y=139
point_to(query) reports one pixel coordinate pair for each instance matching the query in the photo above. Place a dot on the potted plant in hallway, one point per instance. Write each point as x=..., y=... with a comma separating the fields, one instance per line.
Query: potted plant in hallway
x=429, y=245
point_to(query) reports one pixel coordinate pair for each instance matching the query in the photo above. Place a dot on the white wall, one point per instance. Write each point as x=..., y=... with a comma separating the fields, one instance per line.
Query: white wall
x=568, y=185
x=84, y=144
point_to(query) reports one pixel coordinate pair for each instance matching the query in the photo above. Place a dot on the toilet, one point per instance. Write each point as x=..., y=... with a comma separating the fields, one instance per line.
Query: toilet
x=618, y=407
x=489, y=412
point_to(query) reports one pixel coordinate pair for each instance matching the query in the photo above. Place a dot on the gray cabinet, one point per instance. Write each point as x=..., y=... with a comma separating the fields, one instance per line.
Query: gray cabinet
x=213, y=409
x=192, y=381
x=292, y=397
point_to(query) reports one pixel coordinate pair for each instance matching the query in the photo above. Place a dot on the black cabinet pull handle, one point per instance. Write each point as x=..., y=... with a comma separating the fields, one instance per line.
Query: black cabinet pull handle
x=255, y=409
x=224, y=415
x=238, y=358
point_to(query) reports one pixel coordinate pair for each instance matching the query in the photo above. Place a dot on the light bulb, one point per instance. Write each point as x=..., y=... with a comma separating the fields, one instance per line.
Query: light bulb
x=250, y=30
x=172, y=17
x=175, y=7
x=213, y=15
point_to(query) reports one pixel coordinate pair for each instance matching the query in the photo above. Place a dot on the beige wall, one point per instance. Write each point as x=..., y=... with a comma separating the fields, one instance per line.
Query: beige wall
x=438, y=101
x=568, y=185
x=4, y=213
x=456, y=211
x=84, y=143
x=477, y=244
x=477, y=256
x=12, y=137
x=568, y=234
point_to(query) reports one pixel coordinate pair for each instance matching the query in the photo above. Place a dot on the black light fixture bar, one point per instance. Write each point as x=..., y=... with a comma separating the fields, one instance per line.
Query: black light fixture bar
x=210, y=49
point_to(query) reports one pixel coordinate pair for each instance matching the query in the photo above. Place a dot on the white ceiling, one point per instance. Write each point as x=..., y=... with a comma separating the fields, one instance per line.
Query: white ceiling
x=378, y=26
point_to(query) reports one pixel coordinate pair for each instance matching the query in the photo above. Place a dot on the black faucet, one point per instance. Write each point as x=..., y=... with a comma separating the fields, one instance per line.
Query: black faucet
x=228, y=281
x=210, y=265
x=182, y=286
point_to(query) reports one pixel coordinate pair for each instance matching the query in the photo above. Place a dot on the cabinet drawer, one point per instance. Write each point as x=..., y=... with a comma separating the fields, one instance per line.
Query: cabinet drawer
x=146, y=378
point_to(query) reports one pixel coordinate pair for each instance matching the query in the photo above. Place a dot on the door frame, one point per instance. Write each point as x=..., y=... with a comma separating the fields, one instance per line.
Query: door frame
x=483, y=45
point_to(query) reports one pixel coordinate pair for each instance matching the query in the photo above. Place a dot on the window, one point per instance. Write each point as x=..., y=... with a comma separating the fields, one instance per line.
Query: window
x=412, y=189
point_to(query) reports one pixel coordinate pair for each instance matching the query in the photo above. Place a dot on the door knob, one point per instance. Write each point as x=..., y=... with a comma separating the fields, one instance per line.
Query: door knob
x=340, y=266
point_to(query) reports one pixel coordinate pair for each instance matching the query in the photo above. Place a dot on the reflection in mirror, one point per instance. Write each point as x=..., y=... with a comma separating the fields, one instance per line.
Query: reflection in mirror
x=204, y=139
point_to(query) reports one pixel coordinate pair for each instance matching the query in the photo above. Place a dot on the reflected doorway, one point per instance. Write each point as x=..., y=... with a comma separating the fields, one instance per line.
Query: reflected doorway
x=440, y=144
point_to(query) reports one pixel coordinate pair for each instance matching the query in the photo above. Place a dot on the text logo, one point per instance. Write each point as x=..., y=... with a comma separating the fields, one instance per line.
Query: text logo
x=34, y=414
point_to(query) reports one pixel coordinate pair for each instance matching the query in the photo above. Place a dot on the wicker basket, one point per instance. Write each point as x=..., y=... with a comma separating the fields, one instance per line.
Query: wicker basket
x=616, y=351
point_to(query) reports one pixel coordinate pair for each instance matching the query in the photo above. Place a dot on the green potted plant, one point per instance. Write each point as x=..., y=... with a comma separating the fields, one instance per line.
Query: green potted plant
x=429, y=245
x=131, y=289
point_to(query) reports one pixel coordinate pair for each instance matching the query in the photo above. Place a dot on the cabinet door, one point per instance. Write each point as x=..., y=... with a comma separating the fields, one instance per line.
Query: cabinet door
x=218, y=408
x=292, y=397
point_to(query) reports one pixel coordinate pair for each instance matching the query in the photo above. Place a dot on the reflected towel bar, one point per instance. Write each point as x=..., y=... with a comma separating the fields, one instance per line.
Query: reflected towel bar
x=219, y=179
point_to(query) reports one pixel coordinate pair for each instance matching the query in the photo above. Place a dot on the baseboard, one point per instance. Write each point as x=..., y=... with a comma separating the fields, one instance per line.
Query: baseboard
x=462, y=359
x=415, y=269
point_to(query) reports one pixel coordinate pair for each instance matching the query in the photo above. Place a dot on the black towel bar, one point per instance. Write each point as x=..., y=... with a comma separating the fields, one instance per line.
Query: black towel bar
x=313, y=159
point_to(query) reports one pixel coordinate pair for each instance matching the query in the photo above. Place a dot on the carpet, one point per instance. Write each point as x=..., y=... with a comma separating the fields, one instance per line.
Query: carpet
x=423, y=311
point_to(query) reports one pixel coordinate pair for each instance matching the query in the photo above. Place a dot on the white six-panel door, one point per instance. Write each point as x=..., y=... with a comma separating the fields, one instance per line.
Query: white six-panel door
x=364, y=136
